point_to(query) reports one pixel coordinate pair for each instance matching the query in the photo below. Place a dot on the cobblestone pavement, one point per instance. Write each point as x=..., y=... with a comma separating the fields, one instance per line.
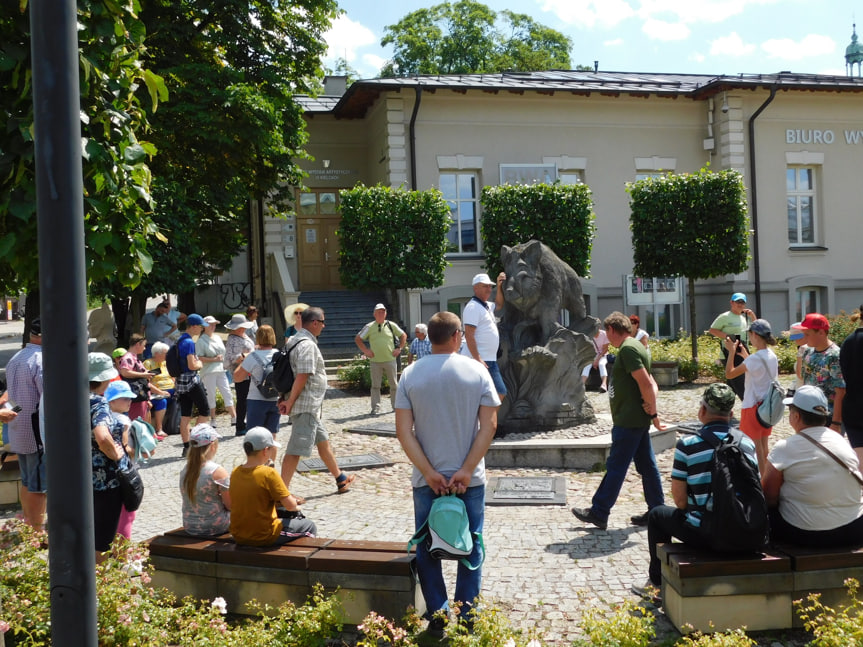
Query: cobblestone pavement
x=543, y=566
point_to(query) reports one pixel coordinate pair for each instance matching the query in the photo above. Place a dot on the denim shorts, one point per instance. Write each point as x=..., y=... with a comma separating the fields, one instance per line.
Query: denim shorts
x=33, y=472
x=496, y=377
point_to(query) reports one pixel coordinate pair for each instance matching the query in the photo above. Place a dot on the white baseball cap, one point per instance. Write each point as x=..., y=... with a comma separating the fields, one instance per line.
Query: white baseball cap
x=380, y=306
x=482, y=278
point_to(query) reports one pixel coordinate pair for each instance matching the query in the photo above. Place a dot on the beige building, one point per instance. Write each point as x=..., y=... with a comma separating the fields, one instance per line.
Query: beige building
x=797, y=140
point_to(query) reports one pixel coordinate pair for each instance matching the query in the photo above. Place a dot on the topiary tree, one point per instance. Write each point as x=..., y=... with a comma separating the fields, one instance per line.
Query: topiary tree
x=392, y=239
x=692, y=225
x=559, y=215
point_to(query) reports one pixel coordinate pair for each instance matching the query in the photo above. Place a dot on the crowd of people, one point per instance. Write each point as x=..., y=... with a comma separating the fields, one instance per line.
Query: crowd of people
x=445, y=406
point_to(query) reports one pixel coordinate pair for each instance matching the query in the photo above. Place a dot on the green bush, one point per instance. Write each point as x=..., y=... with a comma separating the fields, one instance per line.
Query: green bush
x=831, y=627
x=626, y=625
x=358, y=374
x=559, y=215
x=736, y=638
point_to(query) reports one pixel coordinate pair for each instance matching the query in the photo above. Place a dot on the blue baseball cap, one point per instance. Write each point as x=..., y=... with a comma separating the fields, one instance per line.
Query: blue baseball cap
x=738, y=296
x=117, y=390
x=194, y=320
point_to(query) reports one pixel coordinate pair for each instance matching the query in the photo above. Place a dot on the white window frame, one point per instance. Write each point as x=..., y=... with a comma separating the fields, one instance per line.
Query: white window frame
x=528, y=173
x=457, y=220
x=803, y=295
x=798, y=195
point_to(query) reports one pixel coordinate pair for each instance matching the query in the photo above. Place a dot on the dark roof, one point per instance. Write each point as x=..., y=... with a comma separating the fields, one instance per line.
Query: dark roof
x=362, y=94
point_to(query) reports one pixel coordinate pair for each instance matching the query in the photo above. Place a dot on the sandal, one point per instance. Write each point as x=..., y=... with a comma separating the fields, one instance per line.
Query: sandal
x=343, y=482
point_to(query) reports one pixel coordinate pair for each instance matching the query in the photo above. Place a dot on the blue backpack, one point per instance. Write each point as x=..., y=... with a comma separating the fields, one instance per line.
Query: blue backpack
x=447, y=534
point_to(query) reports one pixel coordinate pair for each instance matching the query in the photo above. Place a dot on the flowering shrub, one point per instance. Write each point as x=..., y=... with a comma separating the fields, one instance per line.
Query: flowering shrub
x=831, y=627
x=626, y=625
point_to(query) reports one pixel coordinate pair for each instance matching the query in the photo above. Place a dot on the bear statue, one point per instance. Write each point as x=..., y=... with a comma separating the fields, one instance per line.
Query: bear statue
x=540, y=358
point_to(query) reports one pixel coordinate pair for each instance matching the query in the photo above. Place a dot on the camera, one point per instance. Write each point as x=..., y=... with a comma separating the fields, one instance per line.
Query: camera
x=724, y=108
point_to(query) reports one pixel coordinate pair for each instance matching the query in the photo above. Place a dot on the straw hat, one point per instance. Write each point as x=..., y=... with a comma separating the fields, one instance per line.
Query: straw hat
x=289, y=311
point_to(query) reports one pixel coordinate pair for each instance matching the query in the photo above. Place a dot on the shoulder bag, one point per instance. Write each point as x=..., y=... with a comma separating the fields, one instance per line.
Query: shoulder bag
x=131, y=485
x=854, y=473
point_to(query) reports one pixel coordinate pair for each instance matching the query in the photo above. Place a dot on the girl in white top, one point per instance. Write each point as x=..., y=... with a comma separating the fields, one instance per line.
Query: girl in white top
x=761, y=368
x=204, y=486
x=640, y=334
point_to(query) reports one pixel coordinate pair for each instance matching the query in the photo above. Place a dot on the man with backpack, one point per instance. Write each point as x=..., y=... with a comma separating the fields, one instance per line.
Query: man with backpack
x=386, y=341
x=698, y=517
x=304, y=400
x=446, y=416
x=190, y=390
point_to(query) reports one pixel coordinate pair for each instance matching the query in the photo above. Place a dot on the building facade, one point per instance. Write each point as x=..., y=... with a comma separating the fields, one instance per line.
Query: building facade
x=796, y=139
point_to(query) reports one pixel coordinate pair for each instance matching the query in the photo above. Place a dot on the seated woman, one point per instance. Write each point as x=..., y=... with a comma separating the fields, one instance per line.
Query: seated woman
x=204, y=486
x=820, y=502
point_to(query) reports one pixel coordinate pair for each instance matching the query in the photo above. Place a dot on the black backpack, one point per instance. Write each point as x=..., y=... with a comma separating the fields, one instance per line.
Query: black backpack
x=172, y=361
x=278, y=375
x=738, y=521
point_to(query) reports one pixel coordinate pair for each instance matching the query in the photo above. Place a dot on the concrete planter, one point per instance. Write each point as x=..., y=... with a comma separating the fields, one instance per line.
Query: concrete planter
x=665, y=373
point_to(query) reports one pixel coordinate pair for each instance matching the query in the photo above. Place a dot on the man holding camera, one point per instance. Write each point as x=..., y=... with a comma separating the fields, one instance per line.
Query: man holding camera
x=734, y=323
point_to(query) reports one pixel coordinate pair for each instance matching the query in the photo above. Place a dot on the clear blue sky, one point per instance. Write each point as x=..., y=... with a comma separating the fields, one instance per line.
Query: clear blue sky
x=694, y=36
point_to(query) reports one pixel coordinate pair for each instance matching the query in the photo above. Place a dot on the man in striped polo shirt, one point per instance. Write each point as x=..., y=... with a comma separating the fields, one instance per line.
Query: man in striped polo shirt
x=691, y=479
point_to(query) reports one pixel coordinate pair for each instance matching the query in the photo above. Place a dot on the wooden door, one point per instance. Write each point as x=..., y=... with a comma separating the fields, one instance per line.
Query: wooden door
x=318, y=242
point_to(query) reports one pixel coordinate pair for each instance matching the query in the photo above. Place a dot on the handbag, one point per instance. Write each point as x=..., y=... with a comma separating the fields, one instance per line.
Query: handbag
x=770, y=410
x=140, y=387
x=131, y=486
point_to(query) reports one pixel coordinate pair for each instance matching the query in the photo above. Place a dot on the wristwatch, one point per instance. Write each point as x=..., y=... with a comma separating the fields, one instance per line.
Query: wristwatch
x=654, y=416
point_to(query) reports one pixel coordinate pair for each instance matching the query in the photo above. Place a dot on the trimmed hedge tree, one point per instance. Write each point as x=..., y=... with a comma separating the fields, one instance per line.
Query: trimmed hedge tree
x=392, y=239
x=692, y=225
x=559, y=215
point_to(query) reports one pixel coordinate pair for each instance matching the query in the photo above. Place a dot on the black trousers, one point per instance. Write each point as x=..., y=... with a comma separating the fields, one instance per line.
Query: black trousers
x=663, y=523
x=242, y=389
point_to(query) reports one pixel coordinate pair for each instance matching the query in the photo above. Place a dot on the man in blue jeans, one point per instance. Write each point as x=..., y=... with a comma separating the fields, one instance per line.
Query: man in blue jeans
x=446, y=416
x=632, y=396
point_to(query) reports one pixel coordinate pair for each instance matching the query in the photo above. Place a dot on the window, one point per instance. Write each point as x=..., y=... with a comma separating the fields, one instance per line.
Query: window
x=643, y=175
x=318, y=202
x=460, y=192
x=528, y=173
x=800, y=189
x=808, y=300
x=571, y=177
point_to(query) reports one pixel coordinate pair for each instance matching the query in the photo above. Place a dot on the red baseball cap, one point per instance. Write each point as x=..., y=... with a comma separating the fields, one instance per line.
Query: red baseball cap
x=815, y=321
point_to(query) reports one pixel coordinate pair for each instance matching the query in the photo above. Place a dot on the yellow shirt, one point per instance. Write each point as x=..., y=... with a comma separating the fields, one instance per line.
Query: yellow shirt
x=163, y=380
x=254, y=494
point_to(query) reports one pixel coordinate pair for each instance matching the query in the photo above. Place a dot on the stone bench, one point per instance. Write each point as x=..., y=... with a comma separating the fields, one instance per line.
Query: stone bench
x=709, y=591
x=10, y=481
x=370, y=575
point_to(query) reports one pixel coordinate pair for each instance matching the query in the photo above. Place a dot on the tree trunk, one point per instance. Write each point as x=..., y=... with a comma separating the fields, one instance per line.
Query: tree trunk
x=186, y=302
x=120, y=308
x=692, y=330
x=137, y=308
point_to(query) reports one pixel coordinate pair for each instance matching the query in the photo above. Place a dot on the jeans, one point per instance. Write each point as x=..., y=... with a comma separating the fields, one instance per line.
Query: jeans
x=628, y=444
x=429, y=572
x=262, y=413
x=663, y=523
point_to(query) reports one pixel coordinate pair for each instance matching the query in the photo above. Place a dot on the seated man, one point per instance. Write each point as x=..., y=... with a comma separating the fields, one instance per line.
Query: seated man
x=690, y=480
x=256, y=487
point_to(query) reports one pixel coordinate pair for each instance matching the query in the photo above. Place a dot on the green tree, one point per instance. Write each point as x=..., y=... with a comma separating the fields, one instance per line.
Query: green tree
x=559, y=215
x=115, y=89
x=692, y=225
x=467, y=37
x=232, y=130
x=392, y=239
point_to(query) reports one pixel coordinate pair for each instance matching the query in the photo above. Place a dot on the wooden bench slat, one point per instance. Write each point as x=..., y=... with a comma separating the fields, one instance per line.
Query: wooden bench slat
x=348, y=561
x=816, y=559
x=186, y=547
x=285, y=557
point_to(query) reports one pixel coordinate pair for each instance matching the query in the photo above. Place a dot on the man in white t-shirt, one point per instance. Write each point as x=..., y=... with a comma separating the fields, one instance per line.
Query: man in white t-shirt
x=480, y=328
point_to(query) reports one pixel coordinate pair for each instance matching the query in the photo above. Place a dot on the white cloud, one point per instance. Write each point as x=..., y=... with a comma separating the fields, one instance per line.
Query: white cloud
x=587, y=13
x=615, y=42
x=696, y=11
x=697, y=57
x=665, y=31
x=346, y=37
x=731, y=45
x=372, y=62
x=791, y=50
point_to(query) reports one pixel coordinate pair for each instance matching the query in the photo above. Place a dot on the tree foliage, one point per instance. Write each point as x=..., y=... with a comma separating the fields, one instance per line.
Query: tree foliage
x=392, y=239
x=467, y=37
x=692, y=225
x=559, y=215
x=116, y=88
x=232, y=129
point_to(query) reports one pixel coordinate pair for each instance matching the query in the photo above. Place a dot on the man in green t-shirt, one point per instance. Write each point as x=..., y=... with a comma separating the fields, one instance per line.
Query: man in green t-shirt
x=385, y=342
x=734, y=323
x=632, y=395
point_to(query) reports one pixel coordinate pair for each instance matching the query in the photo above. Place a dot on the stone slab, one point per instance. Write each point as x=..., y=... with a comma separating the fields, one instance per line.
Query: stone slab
x=374, y=429
x=567, y=453
x=539, y=490
x=353, y=462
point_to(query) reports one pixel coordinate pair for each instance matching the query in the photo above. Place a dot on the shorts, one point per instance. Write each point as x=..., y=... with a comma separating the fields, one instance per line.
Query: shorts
x=306, y=432
x=107, y=506
x=496, y=377
x=197, y=397
x=33, y=472
x=750, y=426
x=160, y=404
x=854, y=434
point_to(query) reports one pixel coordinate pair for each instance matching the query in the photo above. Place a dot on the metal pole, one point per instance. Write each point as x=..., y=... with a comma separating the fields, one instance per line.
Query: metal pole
x=60, y=208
